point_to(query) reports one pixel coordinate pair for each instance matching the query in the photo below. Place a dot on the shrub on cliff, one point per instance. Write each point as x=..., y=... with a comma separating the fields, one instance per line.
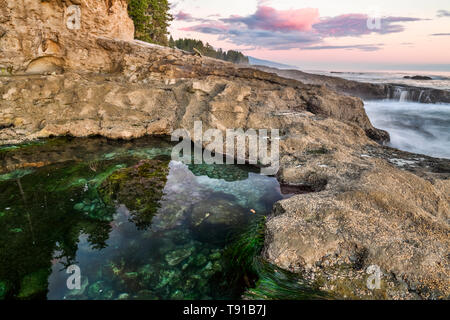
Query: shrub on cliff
x=151, y=19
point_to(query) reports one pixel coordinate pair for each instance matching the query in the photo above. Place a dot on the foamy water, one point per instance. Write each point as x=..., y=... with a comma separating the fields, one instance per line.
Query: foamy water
x=414, y=127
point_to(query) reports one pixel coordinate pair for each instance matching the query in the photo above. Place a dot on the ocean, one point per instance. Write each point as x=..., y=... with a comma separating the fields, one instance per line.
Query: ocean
x=440, y=80
x=414, y=127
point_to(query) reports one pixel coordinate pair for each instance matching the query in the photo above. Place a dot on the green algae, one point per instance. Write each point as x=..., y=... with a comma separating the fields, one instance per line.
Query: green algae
x=6, y=148
x=246, y=247
x=3, y=289
x=39, y=223
x=34, y=284
x=17, y=174
x=262, y=280
x=274, y=283
x=139, y=188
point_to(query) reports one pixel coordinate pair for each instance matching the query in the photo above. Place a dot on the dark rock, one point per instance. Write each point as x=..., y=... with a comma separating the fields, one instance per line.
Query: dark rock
x=215, y=220
x=418, y=78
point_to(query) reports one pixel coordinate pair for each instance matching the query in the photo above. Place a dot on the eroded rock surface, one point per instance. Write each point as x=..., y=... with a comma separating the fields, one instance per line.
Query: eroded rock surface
x=38, y=36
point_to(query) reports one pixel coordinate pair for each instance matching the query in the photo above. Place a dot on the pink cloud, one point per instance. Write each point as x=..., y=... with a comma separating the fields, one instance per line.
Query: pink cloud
x=289, y=20
x=267, y=18
x=183, y=16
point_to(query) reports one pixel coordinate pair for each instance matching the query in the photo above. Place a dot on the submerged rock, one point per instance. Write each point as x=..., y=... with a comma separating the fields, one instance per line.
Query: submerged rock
x=176, y=257
x=214, y=220
x=418, y=78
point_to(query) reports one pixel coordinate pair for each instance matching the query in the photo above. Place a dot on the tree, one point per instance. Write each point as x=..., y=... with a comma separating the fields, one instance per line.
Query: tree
x=209, y=51
x=151, y=19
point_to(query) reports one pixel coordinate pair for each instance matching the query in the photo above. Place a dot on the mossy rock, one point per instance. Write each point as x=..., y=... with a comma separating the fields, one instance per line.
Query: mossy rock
x=34, y=284
x=139, y=188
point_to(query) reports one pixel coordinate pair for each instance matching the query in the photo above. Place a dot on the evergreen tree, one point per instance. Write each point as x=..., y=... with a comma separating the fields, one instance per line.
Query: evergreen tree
x=209, y=51
x=151, y=19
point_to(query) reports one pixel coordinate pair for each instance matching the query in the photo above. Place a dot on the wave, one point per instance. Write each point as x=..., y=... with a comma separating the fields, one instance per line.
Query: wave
x=414, y=127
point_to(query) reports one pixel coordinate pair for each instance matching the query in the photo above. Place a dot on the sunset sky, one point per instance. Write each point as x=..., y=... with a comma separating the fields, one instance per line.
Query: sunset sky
x=324, y=34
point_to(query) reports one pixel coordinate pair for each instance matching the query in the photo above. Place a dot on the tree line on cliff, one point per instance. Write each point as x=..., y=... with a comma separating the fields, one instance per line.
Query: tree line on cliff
x=207, y=50
x=152, y=19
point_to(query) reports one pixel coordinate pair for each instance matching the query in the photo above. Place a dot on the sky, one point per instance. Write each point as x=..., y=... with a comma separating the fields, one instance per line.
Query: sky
x=339, y=35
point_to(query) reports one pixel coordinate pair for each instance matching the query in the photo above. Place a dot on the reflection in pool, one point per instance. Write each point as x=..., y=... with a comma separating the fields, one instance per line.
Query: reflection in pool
x=138, y=225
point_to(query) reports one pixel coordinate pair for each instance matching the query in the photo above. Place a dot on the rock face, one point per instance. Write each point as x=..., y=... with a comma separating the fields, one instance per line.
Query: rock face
x=39, y=36
x=117, y=107
x=370, y=205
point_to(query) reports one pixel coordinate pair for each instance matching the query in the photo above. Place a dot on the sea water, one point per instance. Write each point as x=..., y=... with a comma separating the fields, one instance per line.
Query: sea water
x=414, y=127
x=54, y=216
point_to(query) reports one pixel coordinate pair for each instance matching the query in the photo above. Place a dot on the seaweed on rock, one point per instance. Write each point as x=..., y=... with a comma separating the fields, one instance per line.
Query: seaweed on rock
x=139, y=188
x=260, y=279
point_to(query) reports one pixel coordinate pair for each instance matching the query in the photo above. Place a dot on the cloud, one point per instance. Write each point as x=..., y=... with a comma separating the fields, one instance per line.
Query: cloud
x=213, y=27
x=274, y=29
x=362, y=47
x=274, y=40
x=443, y=13
x=440, y=34
x=183, y=16
x=357, y=25
x=267, y=18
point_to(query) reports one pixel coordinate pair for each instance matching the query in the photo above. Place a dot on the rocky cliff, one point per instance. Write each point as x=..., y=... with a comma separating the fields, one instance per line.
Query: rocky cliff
x=368, y=205
x=52, y=35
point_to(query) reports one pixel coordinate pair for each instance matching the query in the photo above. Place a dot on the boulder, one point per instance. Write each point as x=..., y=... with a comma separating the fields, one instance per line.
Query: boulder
x=418, y=78
x=215, y=220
